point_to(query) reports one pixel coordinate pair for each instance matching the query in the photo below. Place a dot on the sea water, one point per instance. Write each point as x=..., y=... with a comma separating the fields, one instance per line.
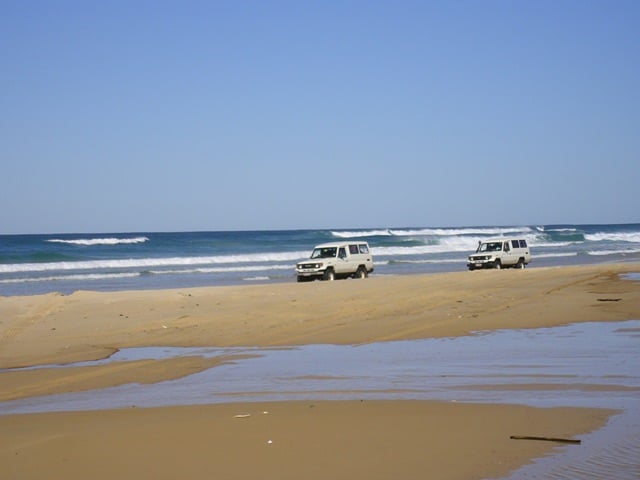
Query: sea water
x=595, y=364
x=544, y=367
x=33, y=264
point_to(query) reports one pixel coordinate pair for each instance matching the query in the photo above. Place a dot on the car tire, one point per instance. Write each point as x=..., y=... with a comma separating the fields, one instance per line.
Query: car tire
x=497, y=264
x=520, y=264
x=329, y=275
x=361, y=273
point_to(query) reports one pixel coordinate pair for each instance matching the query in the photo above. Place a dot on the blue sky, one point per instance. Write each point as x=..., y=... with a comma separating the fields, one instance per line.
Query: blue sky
x=127, y=116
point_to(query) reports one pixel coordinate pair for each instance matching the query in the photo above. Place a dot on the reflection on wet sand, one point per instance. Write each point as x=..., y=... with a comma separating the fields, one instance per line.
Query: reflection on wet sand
x=586, y=365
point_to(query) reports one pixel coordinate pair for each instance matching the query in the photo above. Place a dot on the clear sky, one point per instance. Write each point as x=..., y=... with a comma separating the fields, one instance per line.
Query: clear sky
x=125, y=116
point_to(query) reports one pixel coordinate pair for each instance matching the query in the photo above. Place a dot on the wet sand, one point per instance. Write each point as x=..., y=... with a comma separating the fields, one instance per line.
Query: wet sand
x=327, y=439
x=320, y=440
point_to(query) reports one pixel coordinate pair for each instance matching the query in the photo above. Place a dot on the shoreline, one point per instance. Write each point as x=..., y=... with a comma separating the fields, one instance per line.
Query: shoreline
x=156, y=260
x=84, y=326
x=343, y=439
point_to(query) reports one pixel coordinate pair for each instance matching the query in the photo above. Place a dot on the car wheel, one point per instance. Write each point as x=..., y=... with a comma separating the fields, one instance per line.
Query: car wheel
x=497, y=264
x=329, y=275
x=520, y=264
x=361, y=273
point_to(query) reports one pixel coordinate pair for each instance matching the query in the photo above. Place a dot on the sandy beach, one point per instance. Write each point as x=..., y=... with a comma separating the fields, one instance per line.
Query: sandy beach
x=346, y=439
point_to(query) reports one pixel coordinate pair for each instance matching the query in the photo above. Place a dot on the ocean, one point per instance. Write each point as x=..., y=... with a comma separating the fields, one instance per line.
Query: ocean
x=37, y=264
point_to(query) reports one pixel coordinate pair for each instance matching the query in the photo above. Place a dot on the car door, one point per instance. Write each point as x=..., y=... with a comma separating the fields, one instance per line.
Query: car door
x=342, y=261
x=509, y=256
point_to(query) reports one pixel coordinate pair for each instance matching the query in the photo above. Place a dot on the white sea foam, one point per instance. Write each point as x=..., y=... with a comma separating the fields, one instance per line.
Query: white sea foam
x=542, y=244
x=555, y=255
x=615, y=237
x=100, y=241
x=361, y=234
x=238, y=268
x=151, y=262
x=81, y=277
x=437, y=232
x=107, y=276
x=484, y=231
x=613, y=252
x=431, y=261
x=417, y=250
x=559, y=230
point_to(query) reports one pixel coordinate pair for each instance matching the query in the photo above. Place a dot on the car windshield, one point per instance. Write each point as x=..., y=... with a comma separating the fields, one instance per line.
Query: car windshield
x=490, y=247
x=326, y=252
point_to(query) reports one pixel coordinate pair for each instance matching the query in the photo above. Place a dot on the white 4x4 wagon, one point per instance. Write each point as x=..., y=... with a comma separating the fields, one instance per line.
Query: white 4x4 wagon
x=336, y=260
x=500, y=252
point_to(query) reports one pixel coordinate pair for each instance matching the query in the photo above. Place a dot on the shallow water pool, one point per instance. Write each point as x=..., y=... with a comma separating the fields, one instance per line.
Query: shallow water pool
x=581, y=365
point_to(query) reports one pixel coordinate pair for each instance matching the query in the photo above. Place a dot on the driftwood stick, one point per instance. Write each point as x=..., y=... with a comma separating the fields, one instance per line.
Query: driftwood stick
x=545, y=439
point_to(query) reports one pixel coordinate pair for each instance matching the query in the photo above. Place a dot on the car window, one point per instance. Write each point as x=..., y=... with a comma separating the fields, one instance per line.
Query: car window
x=364, y=248
x=353, y=249
x=327, y=252
x=491, y=247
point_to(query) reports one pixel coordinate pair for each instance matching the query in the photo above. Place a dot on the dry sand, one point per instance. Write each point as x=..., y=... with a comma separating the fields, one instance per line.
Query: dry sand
x=402, y=439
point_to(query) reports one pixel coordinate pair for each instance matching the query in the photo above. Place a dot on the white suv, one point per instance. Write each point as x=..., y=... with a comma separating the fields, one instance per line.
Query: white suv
x=500, y=252
x=336, y=260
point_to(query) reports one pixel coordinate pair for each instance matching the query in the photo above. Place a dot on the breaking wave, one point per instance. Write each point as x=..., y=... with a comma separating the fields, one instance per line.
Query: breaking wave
x=41, y=263
x=87, y=242
x=151, y=262
x=432, y=232
x=362, y=234
x=633, y=237
x=81, y=277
